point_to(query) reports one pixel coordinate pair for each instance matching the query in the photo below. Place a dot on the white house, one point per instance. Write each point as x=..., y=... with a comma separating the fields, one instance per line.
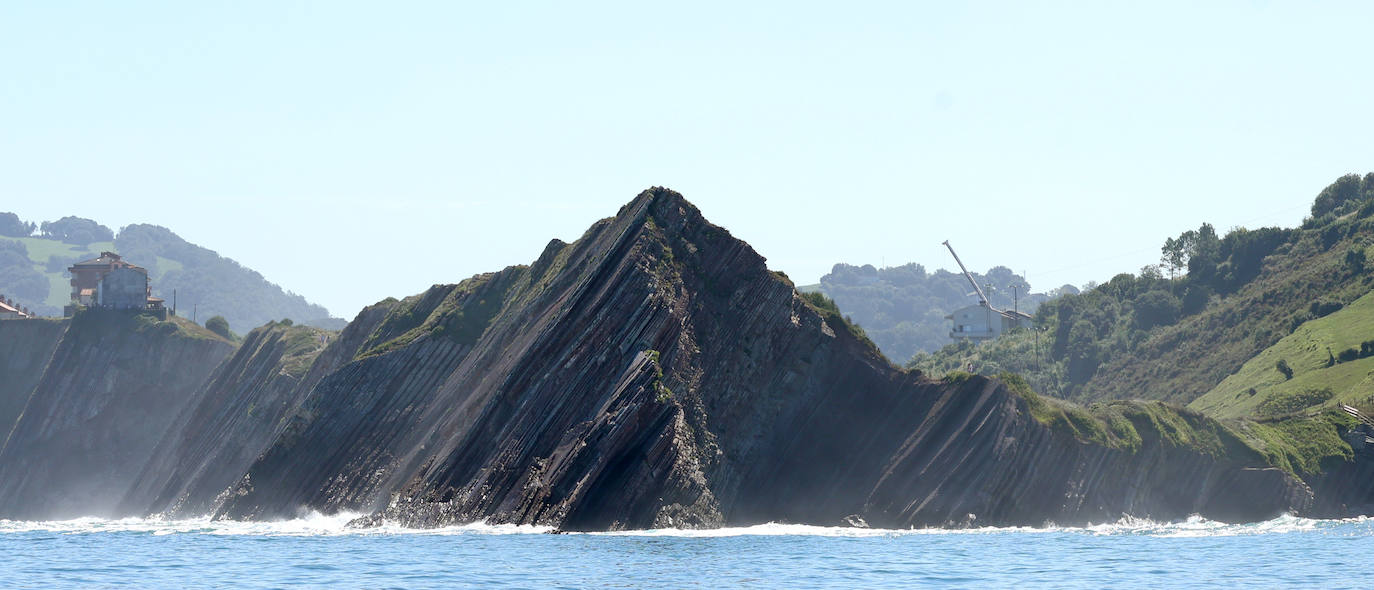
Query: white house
x=9, y=310
x=980, y=322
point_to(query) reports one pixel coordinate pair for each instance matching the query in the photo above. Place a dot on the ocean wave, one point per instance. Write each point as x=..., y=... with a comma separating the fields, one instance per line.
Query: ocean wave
x=316, y=524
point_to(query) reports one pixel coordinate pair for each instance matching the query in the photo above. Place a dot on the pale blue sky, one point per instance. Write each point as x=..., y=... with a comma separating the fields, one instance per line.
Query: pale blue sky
x=354, y=151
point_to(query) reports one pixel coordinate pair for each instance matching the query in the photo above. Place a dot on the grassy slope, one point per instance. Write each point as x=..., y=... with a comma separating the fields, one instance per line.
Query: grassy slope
x=1303, y=444
x=1305, y=350
x=1182, y=362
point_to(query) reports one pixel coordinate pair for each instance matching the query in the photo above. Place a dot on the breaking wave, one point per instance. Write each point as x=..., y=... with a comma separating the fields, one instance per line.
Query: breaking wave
x=338, y=524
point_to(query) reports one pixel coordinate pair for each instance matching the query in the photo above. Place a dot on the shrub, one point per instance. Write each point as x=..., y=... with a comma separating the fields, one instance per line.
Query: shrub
x=1348, y=355
x=220, y=326
x=1367, y=348
x=1323, y=308
x=1355, y=259
x=1155, y=308
x=1294, y=401
x=1283, y=367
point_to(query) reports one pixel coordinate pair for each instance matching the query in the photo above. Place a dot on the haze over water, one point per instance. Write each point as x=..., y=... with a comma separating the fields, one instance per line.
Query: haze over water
x=322, y=552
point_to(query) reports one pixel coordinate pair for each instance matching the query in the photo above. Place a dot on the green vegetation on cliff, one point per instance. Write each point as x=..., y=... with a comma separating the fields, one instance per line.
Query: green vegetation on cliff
x=1176, y=331
x=1303, y=444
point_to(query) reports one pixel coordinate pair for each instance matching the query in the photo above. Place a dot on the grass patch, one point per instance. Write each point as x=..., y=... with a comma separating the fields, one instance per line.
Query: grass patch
x=1130, y=424
x=303, y=344
x=460, y=313
x=1306, y=352
x=1060, y=416
x=830, y=312
x=1301, y=444
x=1292, y=402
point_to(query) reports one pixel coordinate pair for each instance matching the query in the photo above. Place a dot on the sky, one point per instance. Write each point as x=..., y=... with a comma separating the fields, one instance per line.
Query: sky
x=355, y=151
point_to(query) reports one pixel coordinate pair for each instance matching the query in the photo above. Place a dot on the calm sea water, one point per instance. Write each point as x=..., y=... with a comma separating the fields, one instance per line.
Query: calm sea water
x=322, y=552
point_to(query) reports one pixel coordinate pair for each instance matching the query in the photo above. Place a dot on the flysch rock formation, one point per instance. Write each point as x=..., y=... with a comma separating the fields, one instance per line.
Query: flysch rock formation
x=653, y=373
x=25, y=349
x=105, y=397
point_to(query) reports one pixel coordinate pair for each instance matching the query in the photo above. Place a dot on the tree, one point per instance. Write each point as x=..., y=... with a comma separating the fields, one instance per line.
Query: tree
x=1338, y=196
x=19, y=280
x=1283, y=367
x=220, y=326
x=76, y=230
x=1174, y=255
x=1204, y=250
x=1156, y=308
x=12, y=226
x=1083, y=352
x=1355, y=259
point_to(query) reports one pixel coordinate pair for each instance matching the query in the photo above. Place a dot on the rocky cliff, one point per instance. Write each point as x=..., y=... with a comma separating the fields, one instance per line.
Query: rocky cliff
x=243, y=406
x=652, y=373
x=655, y=373
x=112, y=385
x=25, y=349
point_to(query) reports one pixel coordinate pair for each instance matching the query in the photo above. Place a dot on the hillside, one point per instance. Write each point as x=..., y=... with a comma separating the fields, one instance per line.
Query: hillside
x=903, y=308
x=1328, y=359
x=33, y=272
x=1215, y=317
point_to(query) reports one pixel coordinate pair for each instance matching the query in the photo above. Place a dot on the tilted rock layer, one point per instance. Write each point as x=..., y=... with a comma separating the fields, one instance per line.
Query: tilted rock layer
x=113, y=384
x=653, y=373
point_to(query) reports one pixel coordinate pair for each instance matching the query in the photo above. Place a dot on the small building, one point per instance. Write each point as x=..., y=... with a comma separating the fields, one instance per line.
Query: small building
x=110, y=282
x=9, y=310
x=981, y=322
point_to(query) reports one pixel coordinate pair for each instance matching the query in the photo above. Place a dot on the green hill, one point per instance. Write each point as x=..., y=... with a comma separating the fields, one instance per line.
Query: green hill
x=1212, y=320
x=1328, y=360
x=33, y=272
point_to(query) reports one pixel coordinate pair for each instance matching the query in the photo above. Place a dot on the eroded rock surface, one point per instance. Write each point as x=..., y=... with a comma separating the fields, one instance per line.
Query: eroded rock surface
x=110, y=391
x=653, y=373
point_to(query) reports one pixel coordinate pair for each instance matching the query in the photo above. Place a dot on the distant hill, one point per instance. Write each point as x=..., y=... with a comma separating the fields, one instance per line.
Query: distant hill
x=34, y=259
x=903, y=308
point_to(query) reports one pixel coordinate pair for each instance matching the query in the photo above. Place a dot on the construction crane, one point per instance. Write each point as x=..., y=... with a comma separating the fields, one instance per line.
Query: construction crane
x=982, y=299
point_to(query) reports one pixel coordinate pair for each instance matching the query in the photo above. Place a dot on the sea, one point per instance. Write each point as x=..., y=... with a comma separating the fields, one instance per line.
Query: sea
x=324, y=552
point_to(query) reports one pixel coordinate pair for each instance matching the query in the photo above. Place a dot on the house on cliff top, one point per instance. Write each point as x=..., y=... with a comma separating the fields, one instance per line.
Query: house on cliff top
x=110, y=282
x=9, y=310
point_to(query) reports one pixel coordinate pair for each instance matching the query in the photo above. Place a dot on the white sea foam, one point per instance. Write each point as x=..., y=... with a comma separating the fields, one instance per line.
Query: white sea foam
x=316, y=524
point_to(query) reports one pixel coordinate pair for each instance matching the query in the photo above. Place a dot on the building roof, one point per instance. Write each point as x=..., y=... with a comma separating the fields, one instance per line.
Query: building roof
x=7, y=308
x=106, y=260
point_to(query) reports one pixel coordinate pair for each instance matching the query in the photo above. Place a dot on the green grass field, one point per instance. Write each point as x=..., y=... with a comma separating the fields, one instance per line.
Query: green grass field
x=1306, y=351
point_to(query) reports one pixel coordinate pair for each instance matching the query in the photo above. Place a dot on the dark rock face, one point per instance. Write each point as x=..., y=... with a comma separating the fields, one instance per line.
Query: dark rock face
x=655, y=373
x=236, y=413
x=113, y=385
x=25, y=349
x=1345, y=489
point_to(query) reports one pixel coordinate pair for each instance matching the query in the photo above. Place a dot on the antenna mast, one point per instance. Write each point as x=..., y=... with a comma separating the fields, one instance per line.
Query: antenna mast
x=982, y=299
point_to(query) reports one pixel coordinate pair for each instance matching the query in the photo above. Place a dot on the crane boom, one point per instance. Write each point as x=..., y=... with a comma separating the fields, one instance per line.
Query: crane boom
x=982, y=299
